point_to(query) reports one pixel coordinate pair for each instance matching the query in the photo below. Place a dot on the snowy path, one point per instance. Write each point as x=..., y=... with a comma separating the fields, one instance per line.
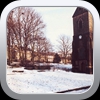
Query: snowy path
x=32, y=81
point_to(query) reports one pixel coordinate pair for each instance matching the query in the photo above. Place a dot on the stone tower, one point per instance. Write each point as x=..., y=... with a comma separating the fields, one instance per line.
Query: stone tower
x=82, y=45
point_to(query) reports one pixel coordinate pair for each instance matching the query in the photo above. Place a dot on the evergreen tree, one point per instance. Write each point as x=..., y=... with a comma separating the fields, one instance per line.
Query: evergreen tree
x=57, y=58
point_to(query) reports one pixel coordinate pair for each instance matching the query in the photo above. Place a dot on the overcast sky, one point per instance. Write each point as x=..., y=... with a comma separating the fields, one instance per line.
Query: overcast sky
x=58, y=21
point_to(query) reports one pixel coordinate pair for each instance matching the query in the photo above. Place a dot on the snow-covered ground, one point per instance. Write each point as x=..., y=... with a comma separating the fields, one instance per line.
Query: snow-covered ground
x=48, y=81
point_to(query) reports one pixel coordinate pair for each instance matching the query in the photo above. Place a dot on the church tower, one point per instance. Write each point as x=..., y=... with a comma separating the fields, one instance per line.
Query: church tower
x=82, y=45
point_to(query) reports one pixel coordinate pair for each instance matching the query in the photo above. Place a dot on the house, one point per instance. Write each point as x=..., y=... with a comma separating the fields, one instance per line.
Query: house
x=41, y=56
x=65, y=60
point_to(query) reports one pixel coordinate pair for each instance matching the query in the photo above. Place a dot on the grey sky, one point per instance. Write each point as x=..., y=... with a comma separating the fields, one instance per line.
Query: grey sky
x=58, y=21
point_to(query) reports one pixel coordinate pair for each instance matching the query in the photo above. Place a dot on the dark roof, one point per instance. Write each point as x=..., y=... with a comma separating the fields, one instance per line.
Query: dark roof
x=79, y=11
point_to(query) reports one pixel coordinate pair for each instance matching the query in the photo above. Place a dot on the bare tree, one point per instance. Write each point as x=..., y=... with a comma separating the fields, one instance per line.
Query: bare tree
x=25, y=24
x=36, y=44
x=14, y=24
x=10, y=36
x=47, y=48
x=42, y=47
x=64, y=46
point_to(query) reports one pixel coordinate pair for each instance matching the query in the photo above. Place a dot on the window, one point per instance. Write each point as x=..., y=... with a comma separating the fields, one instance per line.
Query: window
x=80, y=23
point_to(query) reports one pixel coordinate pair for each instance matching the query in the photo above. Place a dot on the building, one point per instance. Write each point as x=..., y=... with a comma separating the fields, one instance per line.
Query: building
x=67, y=59
x=48, y=57
x=38, y=57
x=82, y=45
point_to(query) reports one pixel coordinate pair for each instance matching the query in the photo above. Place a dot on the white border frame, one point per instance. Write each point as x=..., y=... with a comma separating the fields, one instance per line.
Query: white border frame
x=43, y=3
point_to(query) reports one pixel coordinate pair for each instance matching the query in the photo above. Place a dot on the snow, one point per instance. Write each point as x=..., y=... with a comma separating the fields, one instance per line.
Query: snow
x=48, y=81
x=61, y=66
x=56, y=65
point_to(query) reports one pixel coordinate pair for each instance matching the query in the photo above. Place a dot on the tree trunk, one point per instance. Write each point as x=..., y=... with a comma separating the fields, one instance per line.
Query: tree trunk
x=33, y=56
x=65, y=60
x=25, y=57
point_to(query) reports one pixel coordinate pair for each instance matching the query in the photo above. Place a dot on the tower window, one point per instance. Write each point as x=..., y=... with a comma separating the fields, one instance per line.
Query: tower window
x=80, y=24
